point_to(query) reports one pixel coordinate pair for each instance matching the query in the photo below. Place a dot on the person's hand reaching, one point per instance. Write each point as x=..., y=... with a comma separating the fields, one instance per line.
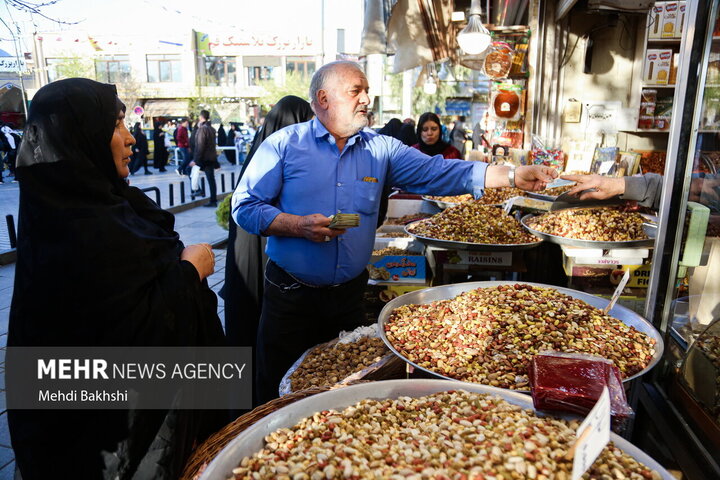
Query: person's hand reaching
x=534, y=177
x=596, y=187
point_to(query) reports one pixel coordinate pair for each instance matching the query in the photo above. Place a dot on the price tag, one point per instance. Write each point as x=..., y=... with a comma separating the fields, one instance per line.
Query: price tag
x=618, y=291
x=592, y=436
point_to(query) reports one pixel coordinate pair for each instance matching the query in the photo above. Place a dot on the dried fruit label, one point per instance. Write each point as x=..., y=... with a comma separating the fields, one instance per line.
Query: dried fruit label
x=592, y=436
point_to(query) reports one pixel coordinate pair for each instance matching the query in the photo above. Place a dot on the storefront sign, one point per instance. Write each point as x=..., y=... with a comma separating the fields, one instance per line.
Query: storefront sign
x=249, y=43
x=11, y=64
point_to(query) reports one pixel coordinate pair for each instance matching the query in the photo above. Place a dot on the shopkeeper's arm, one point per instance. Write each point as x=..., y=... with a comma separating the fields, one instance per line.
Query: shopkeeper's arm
x=645, y=189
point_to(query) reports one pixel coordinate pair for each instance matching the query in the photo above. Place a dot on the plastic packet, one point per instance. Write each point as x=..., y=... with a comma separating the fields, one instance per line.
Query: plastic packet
x=573, y=382
x=344, y=338
x=498, y=61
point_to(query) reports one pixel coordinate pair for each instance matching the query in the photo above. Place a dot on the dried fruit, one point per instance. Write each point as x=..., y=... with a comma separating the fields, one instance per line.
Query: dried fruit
x=327, y=365
x=489, y=335
x=444, y=435
x=596, y=224
x=473, y=223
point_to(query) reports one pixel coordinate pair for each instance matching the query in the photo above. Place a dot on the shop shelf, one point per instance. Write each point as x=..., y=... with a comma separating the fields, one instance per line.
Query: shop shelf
x=709, y=130
x=645, y=85
x=664, y=40
x=645, y=130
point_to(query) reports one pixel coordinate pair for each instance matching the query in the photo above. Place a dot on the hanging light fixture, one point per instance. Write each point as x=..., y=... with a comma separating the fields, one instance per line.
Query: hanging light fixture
x=430, y=86
x=474, y=39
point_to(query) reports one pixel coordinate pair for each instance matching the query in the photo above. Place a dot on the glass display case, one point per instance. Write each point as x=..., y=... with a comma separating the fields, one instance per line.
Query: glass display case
x=679, y=404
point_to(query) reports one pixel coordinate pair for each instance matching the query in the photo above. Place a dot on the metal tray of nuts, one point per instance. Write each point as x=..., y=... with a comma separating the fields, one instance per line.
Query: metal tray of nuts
x=445, y=292
x=443, y=205
x=252, y=440
x=480, y=247
x=649, y=228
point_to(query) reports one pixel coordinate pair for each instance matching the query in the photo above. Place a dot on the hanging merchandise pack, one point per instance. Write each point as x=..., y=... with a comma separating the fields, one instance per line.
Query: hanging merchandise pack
x=540, y=155
x=506, y=101
x=498, y=61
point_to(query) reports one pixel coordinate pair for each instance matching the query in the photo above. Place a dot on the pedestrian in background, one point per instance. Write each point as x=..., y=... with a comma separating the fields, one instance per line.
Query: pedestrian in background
x=10, y=145
x=183, y=144
x=429, y=132
x=160, y=154
x=140, y=150
x=99, y=264
x=245, y=259
x=206, y=155
x=230, y=142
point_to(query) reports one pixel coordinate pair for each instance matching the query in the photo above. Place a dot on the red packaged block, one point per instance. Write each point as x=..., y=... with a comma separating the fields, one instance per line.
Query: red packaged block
x=573, y=382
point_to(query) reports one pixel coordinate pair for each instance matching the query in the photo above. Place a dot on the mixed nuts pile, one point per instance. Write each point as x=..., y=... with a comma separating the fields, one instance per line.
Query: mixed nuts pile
x=489, y=335
x=325, y=365
x=447, y=435
x=597, y=224
x=473, y=222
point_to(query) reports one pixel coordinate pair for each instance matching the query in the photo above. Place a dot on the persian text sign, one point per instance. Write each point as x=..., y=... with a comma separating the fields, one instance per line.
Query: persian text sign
x=11, y=64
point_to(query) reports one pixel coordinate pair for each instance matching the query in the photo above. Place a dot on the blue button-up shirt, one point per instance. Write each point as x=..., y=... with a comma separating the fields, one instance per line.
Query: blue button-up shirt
x=299, y=170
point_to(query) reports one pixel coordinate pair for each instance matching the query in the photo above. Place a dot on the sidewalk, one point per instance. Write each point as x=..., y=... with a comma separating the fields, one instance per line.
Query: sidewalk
x=197, y=225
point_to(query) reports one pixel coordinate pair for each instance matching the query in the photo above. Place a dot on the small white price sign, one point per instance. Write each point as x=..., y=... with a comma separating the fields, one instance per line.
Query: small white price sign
x=592, y=436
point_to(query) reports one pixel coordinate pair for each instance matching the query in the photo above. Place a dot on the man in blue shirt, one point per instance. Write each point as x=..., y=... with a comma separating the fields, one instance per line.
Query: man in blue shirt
x=306, y=172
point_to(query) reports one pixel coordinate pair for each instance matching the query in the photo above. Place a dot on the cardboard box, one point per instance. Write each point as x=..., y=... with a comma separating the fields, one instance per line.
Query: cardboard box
x=650, y=66
x=663, y=67
x=654, y=22
x=399, y=268
x=669, y=20
x=680, y=23
x=657, y=66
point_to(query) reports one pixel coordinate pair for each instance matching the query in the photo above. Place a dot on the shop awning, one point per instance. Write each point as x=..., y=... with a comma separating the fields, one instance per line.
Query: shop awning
x=166, y=108
x=418, y=32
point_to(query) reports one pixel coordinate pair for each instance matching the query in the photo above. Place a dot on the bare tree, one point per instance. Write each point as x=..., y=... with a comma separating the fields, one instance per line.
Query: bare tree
x=35, y=8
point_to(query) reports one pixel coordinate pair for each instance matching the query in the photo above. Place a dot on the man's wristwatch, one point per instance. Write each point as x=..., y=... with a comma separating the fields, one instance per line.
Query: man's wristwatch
x=511, y=177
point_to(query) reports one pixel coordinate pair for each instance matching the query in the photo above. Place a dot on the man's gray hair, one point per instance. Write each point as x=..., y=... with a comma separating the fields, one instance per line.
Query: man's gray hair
x=325, y=73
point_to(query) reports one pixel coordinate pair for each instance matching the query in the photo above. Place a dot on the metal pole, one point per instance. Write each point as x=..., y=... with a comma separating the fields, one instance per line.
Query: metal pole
x=171, y=194
x=182, y=192
x=11, y=230
x=202, y=186
x=222, y=182
x=232, y=179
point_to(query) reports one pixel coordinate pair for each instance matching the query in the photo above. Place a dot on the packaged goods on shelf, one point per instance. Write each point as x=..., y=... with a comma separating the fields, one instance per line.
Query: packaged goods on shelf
x=680, y=23
x=669, y=21
x=674, y=68
x=655, y=17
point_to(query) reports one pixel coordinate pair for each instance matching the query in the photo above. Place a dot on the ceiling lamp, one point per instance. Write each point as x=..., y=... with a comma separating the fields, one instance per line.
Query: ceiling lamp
x=474, y=39
x=430, y=86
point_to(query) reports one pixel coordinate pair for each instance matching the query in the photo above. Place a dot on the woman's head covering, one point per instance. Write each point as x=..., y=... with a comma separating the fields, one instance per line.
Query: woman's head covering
x=407, y=134
x=90, y=247
x=439, y=146
x=392, y=128
x=289, y=110
x=137, y=129
x=221, y=136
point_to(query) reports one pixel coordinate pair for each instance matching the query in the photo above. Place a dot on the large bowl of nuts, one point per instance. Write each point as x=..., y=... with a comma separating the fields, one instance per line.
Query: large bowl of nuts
x=418, y=429
x=600, y=227
x=488, y=332
x=473, y=226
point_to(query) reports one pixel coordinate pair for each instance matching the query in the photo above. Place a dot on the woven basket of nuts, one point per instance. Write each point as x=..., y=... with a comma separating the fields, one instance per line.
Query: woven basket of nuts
x=357, y=355
x=488, y=332
x=593, y=227
x=418, y=429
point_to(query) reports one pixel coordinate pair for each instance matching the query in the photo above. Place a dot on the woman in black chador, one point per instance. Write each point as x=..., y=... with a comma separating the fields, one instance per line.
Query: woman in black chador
x=140, y=151
x=245, y=262
x=99, y=264
x=160, y=154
